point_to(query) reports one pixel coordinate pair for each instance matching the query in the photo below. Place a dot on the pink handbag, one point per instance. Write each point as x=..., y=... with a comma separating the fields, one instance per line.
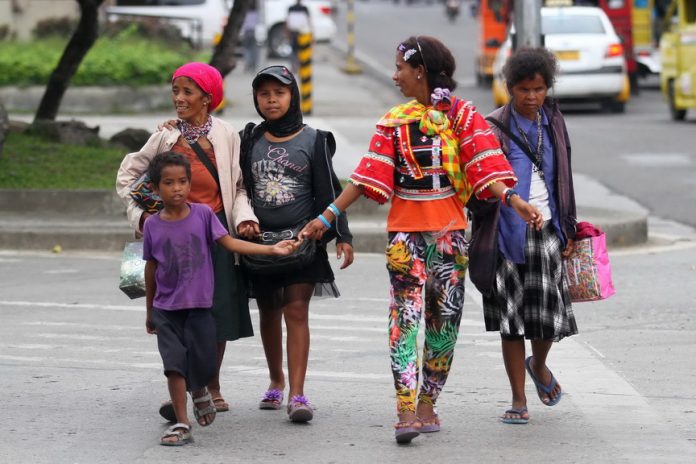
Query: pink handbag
x=587, y=270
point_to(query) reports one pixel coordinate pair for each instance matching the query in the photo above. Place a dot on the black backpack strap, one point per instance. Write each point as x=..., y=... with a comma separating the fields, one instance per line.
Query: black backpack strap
x=523, y=146
x=249, y=135
x=206, y=161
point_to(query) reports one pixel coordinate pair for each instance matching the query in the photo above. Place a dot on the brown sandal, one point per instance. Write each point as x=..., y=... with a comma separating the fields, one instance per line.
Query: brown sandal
x=220, y=404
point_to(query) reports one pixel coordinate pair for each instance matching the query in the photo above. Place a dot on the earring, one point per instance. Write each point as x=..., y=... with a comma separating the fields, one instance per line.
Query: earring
x=418, y=76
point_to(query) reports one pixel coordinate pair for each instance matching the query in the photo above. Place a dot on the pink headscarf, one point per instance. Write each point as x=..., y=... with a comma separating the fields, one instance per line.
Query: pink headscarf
x=208, y=79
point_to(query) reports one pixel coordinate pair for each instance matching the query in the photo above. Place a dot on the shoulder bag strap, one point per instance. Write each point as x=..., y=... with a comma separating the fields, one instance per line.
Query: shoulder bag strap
x=523, y=146
x=206, y=161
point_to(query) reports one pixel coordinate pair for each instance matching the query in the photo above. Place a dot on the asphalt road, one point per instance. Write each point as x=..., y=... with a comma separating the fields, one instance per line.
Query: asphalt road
x=82, y=381
x=641, y=154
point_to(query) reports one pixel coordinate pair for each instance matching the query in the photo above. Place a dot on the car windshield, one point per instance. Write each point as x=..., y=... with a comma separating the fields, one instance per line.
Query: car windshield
x=572, y=24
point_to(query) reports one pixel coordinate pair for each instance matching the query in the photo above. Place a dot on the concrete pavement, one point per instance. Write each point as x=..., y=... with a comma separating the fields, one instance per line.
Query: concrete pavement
x=348, y=105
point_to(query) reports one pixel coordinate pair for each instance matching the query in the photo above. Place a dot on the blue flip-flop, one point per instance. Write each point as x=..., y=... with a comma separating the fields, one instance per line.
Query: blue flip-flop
x=541, y=388
x=515, y=420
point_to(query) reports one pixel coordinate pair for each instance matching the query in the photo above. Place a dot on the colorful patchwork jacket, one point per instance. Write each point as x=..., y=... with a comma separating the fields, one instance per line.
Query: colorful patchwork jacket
x=472, y=157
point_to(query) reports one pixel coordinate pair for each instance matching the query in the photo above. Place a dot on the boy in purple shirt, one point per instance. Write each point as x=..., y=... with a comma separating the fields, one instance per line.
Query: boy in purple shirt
x=179, y=289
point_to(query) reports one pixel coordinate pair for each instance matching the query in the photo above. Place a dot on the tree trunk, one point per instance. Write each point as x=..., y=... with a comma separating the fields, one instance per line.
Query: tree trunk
x=224, y=58
x=4, y=125
x=81, y=41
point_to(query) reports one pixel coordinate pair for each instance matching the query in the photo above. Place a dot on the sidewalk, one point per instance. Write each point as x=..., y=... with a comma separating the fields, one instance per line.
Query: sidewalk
x=348, y=105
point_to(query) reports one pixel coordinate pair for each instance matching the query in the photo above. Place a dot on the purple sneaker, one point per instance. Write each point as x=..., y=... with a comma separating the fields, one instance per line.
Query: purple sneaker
x=299, y=409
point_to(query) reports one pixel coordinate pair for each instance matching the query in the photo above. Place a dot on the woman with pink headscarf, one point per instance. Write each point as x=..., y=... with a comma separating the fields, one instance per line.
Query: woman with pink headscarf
x=197, y=90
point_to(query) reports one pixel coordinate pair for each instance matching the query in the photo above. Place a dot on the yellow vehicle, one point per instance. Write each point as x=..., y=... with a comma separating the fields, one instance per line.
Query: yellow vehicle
x=678, y=51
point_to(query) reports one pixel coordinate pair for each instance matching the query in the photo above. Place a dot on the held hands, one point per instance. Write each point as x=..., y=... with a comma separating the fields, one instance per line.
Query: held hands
x=313, y=230
x=285, y=247
x=529, y=213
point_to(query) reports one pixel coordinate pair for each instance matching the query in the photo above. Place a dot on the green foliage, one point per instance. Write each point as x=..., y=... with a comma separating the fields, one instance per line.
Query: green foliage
x=125, y=59
x=31, y=162
x=55, y=27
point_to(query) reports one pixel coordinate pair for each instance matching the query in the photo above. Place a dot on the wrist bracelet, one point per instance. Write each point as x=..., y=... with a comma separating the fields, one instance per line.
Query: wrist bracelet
x=503, y=195
x=508, y=196
x=334, y=209
x=324, y=221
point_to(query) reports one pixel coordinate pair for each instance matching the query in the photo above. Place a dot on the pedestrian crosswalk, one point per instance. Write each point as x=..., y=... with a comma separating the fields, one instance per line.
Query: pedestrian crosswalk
x=45, y=337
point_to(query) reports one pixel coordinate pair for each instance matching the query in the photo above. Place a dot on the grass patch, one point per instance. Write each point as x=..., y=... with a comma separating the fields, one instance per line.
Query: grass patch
x=29, y=162
x=122, y=60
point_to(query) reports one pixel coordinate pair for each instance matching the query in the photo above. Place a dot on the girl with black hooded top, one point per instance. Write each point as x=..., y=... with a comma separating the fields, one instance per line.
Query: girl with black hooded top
x=289, y=178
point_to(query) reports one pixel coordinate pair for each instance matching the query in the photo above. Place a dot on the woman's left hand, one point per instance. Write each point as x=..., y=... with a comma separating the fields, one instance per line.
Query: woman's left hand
x=569, y=248
x=248, y=230
x=529, y=213
x=345, y=250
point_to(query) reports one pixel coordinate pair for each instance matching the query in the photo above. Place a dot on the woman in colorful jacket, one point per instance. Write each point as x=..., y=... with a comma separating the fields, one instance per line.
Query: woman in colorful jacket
x=530, y=298
x=429, y=156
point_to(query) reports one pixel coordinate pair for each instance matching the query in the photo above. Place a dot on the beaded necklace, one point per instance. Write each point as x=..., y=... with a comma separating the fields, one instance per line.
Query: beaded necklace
x=192, y=133
x=540, y=142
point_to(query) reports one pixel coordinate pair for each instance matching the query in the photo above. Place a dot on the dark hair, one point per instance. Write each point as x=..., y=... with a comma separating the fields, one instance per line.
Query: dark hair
x=435, y=57
x=526, y=63
x=164, y=159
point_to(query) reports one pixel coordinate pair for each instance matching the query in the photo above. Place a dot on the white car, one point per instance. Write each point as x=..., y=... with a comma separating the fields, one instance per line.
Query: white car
x=592, y=66
x=202, y=21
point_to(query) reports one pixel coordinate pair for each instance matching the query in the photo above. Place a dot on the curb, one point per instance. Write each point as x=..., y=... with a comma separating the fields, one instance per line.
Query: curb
x=95, y=220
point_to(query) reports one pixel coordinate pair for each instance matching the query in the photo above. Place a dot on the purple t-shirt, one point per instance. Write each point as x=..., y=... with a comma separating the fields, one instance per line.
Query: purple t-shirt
x=182, y=250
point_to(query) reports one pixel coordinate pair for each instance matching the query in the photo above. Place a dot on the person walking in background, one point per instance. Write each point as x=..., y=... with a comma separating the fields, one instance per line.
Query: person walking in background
x=251, y=46
x=196, y=91
x=429, y=156
x=297, y=22
x=290, y=179
x=530, y=299
x=179, y=289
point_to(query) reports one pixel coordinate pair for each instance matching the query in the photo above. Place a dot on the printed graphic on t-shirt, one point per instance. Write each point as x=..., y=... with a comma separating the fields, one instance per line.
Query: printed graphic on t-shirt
x=183, y=259
x=277, y=177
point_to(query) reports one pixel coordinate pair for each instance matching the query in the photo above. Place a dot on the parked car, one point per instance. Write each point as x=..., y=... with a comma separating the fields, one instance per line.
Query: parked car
x=201, y=21
x=592, y=66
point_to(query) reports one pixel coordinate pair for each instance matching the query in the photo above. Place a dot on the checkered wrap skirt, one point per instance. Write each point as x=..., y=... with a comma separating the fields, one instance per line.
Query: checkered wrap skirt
x=532, y=299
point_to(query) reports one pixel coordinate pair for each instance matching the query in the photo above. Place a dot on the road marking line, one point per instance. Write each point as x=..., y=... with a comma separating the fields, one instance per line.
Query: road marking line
x=614, y=407
x=54, y=304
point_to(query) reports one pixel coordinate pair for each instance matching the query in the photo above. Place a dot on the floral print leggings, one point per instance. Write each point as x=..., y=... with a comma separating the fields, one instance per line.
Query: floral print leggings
x=438, y=262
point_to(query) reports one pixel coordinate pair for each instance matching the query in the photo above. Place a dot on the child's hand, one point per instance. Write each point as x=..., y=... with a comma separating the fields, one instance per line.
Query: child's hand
x=149, y=326
x=285, y=247
x=169, y=125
